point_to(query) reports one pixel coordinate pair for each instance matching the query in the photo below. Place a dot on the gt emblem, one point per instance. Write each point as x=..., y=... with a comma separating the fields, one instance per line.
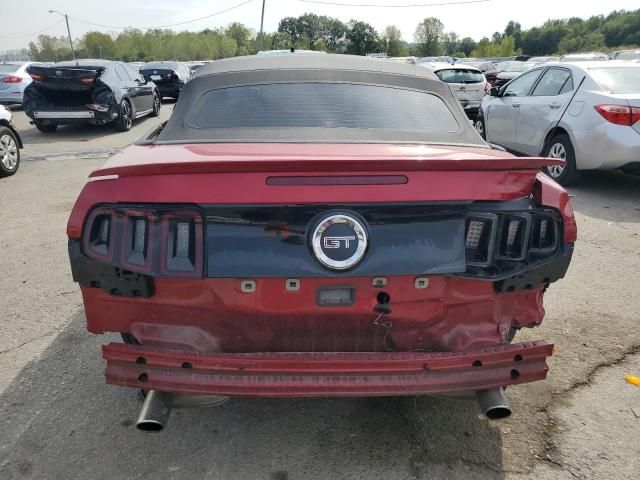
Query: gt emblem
x=335, y=242
x=339, y=241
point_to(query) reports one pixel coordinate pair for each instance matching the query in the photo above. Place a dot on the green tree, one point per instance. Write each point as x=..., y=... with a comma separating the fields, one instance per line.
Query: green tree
x=451, y=43
x=428, y=37
x=467, y=45
x=486, y=48
x=362, y=38
x=392, y=43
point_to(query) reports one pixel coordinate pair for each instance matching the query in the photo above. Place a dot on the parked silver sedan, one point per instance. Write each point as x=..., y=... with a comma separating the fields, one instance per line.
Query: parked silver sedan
x=587, y=113
x=10, y=144
x=467, y=83
x=13, y=80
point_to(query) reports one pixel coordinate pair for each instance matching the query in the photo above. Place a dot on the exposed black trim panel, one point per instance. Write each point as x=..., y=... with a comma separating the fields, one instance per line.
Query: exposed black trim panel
x=113, y=280
x=546, y=273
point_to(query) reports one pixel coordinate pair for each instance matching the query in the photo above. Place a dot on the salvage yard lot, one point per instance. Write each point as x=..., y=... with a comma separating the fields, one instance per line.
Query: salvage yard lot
x=61, y=421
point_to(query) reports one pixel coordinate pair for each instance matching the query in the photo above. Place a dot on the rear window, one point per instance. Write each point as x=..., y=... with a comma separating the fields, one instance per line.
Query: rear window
x=628, y=56
x=8, y=67
x=460, y=76
x=296, y=108
x=159, y=66
x=617, y=79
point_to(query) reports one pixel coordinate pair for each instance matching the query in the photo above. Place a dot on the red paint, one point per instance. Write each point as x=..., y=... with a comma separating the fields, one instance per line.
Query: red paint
x=326, y=374
x=212, y=315
x=278, y=157
x=214, y=326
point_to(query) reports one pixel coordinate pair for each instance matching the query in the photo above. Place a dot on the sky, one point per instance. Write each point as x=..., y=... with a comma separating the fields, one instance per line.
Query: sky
x=22, y=20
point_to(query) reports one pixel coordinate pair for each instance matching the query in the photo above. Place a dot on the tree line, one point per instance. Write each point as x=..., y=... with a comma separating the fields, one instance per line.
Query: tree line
x=619, y=29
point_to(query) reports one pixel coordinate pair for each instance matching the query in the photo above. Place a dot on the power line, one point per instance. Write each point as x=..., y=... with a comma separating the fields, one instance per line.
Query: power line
x=119, y=27
x=35, y=33
x=380, y=5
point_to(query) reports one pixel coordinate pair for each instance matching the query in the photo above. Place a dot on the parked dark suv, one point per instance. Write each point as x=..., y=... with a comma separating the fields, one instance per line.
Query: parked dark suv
x=93, y=91
x=170, y=77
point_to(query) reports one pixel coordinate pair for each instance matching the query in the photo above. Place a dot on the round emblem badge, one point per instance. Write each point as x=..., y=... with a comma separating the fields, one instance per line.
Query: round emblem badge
x=339, y=242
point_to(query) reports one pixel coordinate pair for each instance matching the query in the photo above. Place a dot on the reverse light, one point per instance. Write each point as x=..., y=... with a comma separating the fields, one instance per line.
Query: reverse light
x=97, y=107
x=12, y=79
x=619, y=114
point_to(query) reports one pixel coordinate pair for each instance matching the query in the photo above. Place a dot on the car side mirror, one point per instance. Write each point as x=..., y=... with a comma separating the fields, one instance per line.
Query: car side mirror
x=494, y=91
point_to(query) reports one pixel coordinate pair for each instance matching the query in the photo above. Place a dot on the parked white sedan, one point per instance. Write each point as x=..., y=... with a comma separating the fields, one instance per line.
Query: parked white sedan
x=587, y=113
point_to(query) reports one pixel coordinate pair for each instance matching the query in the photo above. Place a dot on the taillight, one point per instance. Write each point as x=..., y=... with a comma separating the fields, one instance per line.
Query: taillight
x=12, y=79
x=493, y=239
x=514, y=233
x=97, y=107
x=87, y=80
x=619, y=114
x=479, y=239
x=36, y=76
x=158, y=242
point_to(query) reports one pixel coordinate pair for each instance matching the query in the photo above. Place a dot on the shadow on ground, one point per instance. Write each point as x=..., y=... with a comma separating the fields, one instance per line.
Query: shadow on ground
x=609, y=195
x=60, y=421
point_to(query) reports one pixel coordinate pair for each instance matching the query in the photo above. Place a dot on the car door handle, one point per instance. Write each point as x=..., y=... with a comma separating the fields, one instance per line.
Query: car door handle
x=555, y=105
x=515, y=105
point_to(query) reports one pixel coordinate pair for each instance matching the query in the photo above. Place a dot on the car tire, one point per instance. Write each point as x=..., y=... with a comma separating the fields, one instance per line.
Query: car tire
x=155, y=112
x=46, y=127
x=9, y=152
x=479, y=125
x=560, y=147
x=125, y=116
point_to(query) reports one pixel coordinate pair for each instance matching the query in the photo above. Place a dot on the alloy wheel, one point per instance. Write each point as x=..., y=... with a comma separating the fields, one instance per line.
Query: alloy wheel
x=8, y=152
x=557, y=150
x=126, y=114
x=479, y=127
x=156, y=104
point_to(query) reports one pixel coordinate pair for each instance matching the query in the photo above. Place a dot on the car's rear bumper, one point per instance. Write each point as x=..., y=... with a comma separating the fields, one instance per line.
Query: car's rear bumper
x=8, y=97
x=325, y=374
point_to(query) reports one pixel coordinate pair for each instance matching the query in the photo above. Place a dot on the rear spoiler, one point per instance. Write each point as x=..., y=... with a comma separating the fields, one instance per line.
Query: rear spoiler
x=194, y=159
x=84, y=75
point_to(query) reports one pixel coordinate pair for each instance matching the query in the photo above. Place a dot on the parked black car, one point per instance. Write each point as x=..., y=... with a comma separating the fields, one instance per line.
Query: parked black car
x=170, y=77
x=507, y=71
x=93, y=91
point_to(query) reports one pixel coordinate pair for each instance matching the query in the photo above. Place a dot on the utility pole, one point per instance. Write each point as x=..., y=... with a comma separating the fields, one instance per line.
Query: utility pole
x=100, y=48
x=66, y=18
x=261, y=27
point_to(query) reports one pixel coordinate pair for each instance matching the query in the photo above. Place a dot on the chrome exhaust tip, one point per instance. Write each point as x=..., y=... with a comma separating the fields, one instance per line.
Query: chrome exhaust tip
x=155, y=411
x=493, y=403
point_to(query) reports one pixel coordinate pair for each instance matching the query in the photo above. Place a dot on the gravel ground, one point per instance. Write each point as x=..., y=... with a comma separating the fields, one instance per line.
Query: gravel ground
x=61, y=421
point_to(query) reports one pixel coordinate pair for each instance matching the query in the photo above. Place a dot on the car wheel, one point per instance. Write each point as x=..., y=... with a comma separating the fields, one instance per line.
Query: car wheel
x=156, y=105
x=125, y=119
x=47, y=127
x=560, y=147
x=479, y=126
x=9, y=152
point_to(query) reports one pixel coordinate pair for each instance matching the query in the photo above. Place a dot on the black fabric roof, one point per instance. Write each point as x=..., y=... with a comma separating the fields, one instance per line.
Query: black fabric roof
x=306, y=68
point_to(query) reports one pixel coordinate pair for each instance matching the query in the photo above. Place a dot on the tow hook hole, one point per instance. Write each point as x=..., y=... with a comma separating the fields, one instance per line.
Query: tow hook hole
x=143, y=377
x=514, y=374
x=141, y=360
x=383, y=298
x=186, y=365
x=477, y=363
x=517, y=358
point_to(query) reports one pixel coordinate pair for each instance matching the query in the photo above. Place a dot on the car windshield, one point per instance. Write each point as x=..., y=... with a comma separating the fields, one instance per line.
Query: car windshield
x=513, y=66
x=320, y=106
x=459, y=75
x=8, y=67
x=617, y=80
x=628, y=56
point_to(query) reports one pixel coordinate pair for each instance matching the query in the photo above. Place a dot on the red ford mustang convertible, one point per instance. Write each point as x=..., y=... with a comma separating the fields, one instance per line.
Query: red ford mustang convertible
x=318, y=226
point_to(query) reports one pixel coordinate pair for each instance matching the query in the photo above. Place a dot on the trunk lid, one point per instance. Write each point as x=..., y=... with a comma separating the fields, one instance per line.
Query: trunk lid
x=67, y=79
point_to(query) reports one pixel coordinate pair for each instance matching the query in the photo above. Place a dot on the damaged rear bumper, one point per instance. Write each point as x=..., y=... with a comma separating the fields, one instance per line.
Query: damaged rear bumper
x=325, y=374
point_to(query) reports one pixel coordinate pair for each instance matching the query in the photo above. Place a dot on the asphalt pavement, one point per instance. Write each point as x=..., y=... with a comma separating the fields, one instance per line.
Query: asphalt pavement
x=58, y=419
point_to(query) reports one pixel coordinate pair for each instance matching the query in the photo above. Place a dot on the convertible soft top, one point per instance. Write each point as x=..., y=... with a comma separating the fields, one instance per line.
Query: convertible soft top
x=316, y=99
